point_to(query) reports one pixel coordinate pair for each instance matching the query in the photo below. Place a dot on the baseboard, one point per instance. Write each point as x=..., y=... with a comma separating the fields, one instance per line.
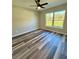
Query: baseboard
x=54, y=31
x=20, y=34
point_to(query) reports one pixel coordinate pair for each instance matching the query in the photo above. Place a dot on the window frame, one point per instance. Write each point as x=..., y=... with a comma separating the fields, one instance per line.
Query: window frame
x=54, y=20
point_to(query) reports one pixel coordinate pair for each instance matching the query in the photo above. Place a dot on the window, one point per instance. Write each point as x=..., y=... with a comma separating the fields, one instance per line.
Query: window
x=55, y=19
x=49, y=19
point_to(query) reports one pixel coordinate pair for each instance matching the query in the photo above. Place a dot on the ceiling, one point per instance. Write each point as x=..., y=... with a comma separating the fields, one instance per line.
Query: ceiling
x=29, y=3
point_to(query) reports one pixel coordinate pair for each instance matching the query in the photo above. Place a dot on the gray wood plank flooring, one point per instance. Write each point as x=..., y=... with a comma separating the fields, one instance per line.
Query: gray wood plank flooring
x=38, y=45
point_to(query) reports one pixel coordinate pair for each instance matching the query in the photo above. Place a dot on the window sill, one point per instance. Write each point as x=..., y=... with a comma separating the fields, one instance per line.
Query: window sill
x=55, y=27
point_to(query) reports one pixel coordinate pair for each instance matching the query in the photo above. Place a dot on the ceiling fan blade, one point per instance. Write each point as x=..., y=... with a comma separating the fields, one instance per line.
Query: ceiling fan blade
x=42, y=7
x=44, y=4
x=38, y=0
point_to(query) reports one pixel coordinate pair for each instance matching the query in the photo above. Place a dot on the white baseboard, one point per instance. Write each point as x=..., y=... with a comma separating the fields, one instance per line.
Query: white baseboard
x=22, y=33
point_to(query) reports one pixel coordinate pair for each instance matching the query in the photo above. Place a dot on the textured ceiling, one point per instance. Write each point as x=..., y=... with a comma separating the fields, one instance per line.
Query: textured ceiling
x=29, y=3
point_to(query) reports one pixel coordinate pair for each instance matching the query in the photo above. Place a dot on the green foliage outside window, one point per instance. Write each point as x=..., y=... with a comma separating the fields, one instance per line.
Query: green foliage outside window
x=55, y=19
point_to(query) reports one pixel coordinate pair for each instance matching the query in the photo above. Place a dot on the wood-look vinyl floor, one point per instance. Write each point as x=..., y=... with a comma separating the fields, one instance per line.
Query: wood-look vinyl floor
x=38, y=45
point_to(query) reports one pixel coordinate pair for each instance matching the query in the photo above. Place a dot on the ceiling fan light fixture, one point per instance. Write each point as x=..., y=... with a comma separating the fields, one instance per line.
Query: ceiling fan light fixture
x=38, y=7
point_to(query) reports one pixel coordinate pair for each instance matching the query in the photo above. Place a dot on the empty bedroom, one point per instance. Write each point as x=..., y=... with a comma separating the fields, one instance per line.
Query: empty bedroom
x=39, y=29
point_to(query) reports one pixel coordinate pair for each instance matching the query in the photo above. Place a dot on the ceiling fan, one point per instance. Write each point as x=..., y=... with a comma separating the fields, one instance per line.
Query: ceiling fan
x=39, y=6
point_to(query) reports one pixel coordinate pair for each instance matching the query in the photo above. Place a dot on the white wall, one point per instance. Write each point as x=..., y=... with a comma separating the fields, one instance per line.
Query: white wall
x=42, y=19
x=23, y=20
